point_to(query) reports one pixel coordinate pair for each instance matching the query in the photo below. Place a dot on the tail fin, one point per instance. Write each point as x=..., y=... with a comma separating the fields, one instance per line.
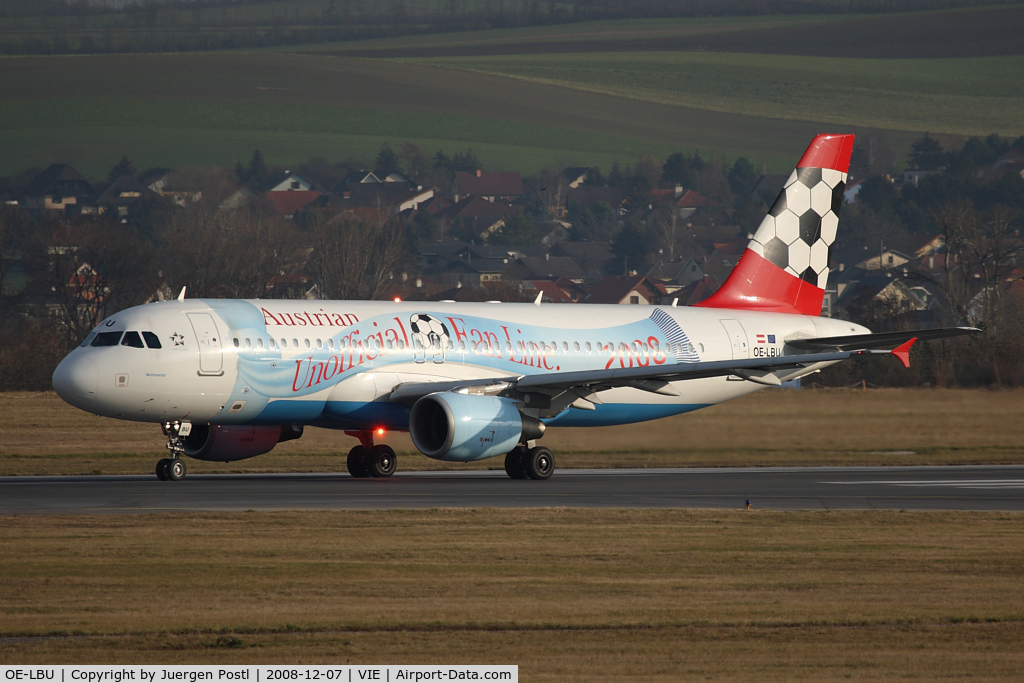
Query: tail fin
x=785, y=266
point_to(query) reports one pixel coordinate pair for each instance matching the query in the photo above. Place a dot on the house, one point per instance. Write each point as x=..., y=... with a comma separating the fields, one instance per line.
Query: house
x=580, y=198
x=914, y=176
x=56, y=188
x=289, y=192
x=168, y=184
x=677, y=274
x=549, y=267
x=576, y=176
x=118, y=198
x=624, y=289
x=558, y=290
x=768, y=187
x=491, y=185
x=592, y=257
x=851, y=192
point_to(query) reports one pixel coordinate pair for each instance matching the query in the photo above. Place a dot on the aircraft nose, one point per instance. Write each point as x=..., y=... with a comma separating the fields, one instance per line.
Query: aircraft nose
x=75, y=379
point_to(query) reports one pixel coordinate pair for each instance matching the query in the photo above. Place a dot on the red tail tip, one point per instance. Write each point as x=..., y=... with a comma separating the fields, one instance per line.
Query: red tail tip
x=828, y=151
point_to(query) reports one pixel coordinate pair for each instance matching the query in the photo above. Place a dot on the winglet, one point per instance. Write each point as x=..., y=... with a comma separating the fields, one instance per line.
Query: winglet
x=181, y=294
x=903, y=351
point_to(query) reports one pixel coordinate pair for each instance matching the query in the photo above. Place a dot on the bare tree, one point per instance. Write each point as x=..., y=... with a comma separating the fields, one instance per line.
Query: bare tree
x=354, y=259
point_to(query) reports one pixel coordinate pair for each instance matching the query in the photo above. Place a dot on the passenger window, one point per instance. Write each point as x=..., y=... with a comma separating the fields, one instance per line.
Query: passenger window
x=307, y=343
x=565, y=347
x=107, y=339
x=508, y=346
x=132, y=339
x=235, y=342
x=390, y=344
x=588, y=347
x=152, y=341
x=272, y=343
x=576, y=347
x=401, y=344
x=248, y=343
x=462, y=345
x=319, y=344
x=295, y=343
x=451, y=344
x=259, y=343
x=330, y=344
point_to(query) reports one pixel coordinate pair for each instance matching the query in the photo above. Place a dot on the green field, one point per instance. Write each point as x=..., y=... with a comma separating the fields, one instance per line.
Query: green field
x=969, y=96
x=523, y=99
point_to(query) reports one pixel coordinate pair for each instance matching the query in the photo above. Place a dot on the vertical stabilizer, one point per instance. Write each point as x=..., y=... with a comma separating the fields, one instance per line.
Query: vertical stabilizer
x=785, y=266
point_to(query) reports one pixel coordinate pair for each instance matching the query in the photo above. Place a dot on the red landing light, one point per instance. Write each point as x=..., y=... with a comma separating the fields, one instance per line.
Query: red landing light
x=380, y=431
x=398, y=299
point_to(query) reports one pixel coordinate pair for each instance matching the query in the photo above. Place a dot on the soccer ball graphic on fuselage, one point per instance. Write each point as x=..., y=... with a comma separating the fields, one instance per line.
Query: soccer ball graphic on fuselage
x=230, y=379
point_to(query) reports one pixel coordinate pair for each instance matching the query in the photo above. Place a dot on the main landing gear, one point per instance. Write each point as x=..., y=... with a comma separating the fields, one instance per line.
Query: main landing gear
x=367, y=460
x=173, y=468
x=529, y=463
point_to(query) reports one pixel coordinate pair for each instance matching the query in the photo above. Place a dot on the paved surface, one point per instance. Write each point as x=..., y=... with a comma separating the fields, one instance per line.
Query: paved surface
x=778, y=488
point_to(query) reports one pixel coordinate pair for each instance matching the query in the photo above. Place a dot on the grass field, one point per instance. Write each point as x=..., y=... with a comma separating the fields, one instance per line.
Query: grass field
x=40, y=434
x=525, y=99
x=568, y=595
x=954, y=96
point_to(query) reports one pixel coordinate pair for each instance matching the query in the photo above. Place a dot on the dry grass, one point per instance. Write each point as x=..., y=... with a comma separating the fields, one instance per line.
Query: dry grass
x=40, y=434
x=566, y=594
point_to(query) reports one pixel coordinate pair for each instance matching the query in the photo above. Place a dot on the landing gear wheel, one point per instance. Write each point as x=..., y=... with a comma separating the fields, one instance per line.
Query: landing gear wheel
x=381, y=461
x=161, y=469
x=176, y=469
x=514, y=463
x=357, y=462
x=539, y=463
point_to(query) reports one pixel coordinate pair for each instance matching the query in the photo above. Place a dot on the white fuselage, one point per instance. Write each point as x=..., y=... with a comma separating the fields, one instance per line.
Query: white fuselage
x=335, y=363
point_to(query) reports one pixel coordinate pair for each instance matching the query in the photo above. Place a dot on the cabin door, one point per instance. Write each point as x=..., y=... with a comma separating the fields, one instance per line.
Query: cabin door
x=211, y=357
x=737, y=338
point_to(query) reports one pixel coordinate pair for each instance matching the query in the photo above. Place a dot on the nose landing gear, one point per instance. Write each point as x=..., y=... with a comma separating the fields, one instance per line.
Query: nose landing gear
x=173, y=468
x=368, y=460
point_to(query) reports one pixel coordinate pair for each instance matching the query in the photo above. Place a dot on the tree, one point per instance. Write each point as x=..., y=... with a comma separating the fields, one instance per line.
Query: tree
x=257, y=171
x=926, y=154
x=518, y=229
x=387, y=161
x=121, y=168
x=354, y=259
x=742, y=177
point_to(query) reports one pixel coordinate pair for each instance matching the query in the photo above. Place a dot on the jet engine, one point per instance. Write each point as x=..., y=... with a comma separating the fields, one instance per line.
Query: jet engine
x=464, y=427
x=225, y=443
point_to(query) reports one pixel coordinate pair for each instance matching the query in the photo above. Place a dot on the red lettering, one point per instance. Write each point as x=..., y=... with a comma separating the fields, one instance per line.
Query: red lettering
x=296, y=384
x=316, y=372
x=659, y=356
x=611, y=351
x=460, y=335
x=268, y=316
x=642, y=359
x=402, y=327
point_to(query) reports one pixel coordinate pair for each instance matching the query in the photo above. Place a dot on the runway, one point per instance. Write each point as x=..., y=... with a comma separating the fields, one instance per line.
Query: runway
x=775, y=488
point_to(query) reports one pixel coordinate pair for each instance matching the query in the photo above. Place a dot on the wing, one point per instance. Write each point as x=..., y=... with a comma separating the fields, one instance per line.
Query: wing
x=878, y=339
x=558, y=390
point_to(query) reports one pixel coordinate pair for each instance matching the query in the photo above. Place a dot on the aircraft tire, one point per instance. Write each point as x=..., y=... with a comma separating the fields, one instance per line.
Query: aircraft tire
x=514, y=463
x=357, y=462
x=161, y=469
x=176, y=469
x=539, y=463
x=381, y=462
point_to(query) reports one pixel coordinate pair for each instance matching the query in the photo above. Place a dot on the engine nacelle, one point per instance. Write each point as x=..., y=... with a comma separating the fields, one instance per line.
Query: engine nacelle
x=464, y=427
x=225, y=443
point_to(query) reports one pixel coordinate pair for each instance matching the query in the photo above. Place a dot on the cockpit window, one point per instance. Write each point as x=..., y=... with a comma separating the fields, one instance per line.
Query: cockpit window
x=88, y=340
x=107, y=339
x=152, y=341
x=132, y=339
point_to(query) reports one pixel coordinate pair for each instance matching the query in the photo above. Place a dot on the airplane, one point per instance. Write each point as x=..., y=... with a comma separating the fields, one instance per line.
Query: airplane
x=231, y=379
